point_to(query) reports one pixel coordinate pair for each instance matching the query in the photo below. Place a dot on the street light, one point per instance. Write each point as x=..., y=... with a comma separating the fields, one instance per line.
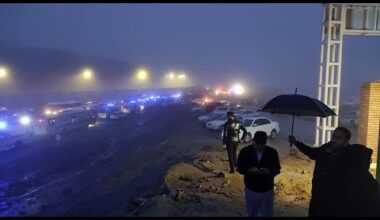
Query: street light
x=182, y=76
x=142, y=74
x=171, y=75
x=87, y=73
x=237, y=89
x=3, y=72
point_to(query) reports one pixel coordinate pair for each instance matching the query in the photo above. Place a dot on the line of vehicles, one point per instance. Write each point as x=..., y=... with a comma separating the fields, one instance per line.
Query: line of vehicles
x=251, y=119
x=58, y=118
x=55, y=118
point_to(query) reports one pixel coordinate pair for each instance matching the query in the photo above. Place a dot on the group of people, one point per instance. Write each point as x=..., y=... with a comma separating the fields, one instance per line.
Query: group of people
x=341, y=186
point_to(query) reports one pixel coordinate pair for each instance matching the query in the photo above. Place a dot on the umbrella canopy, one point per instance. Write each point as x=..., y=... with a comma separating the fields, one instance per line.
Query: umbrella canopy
x=298, y=105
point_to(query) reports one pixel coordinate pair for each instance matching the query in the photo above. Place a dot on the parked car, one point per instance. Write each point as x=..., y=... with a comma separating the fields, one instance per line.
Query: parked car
x=102, y=114
x=225, y=109
x=215, y=116
x=116, y=115
x=248, y=113
x=209, y=107
x=255, y=124
x=68, y=121
x=219, y=123
x=197, y=109
x=209, y=116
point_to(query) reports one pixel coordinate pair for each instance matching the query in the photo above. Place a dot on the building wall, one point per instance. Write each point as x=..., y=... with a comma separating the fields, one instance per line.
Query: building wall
x=369, y=117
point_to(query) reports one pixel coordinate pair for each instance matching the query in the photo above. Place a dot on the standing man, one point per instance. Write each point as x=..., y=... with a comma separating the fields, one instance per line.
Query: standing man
x=342, y=184
x=259, y=164
x=231, y=138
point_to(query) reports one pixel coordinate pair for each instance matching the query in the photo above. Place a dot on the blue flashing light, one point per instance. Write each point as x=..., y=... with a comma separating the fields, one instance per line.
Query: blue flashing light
x=3, y=125
x=110, y=105
x=132, y=101
x=177, y=96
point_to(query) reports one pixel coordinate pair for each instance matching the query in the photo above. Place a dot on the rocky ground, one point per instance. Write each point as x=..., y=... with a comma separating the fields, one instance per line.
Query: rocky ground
x=203, y=187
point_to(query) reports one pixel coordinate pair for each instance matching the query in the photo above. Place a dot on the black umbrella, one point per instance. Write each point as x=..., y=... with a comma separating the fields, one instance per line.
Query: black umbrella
x=297, y=105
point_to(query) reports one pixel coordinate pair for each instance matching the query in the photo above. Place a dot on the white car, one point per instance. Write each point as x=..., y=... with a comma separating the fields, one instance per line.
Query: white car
x=248, y=113
x=116, y=115
x=102, y=114
x=219, y=123
x=197, y=109
x=225, y=109
x=209, y=116
x=255, y=124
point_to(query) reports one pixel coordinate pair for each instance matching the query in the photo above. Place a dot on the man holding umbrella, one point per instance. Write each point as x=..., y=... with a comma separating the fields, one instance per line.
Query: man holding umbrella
x=324, y=177
x=341, y=185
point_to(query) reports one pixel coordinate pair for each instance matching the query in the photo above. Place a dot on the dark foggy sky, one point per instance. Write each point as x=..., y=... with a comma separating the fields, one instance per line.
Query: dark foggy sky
x=275, y=45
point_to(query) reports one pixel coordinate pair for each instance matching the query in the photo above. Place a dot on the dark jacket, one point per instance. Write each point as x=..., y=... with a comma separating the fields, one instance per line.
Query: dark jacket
x=361, y=191
x=248, y=158
x=231, y=131
x=341, y=182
